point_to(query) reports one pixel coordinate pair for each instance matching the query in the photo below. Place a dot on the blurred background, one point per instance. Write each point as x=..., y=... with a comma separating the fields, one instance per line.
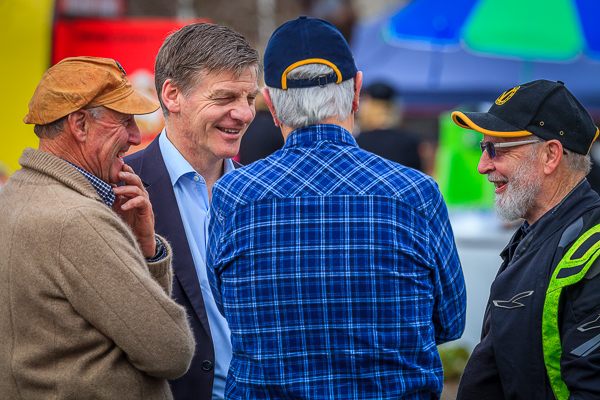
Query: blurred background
x=421, y=60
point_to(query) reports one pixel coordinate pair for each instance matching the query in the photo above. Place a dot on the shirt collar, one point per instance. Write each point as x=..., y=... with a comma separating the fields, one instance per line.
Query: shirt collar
x=104, y=189
x=319, y=132
x=526, y=228
x=176, y=164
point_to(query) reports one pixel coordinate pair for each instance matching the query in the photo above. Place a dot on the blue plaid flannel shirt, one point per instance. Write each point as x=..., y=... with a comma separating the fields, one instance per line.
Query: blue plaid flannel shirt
x=337, y=272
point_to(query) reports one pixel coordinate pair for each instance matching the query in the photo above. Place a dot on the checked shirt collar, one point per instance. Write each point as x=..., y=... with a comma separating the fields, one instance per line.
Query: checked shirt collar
x=316, y=133
x=104, y=190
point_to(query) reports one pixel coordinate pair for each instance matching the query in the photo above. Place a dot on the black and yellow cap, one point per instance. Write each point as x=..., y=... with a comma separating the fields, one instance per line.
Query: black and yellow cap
x=543, y=108
x=304, y=41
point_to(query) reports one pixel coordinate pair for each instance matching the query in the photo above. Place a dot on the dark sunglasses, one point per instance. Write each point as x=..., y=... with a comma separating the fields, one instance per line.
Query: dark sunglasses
x=491, y=147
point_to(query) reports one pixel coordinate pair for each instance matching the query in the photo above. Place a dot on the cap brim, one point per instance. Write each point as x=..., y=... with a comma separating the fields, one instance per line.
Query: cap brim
x=487, y=123
x=136, y=104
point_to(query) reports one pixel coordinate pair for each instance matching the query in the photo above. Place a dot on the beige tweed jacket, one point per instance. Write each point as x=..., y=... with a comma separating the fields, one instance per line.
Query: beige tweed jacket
x=82, y=314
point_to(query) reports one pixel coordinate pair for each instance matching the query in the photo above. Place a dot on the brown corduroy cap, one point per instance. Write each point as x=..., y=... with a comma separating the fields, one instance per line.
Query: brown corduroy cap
x=85, y=82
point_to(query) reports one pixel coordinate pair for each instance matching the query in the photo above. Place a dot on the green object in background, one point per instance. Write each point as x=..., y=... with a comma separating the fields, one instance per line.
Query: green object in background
x=530, y=30
x=454, y=360
x=456, y=167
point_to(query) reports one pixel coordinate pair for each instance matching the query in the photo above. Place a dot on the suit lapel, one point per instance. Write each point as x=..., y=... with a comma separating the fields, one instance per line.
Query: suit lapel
x=169, y=224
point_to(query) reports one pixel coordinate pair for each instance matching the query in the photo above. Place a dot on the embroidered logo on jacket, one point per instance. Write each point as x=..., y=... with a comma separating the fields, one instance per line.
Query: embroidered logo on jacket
x=592, y=344
x=590, y=325
x=513, y=303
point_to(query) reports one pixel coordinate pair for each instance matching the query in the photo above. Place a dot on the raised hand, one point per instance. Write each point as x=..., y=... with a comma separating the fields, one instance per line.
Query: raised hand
x=132, y=203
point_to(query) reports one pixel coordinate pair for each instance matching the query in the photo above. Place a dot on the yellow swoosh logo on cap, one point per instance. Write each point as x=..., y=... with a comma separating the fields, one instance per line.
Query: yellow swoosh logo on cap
x=504, y=97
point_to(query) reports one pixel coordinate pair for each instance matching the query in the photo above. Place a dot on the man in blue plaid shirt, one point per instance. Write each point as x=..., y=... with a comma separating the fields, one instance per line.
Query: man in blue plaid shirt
x=336, y=269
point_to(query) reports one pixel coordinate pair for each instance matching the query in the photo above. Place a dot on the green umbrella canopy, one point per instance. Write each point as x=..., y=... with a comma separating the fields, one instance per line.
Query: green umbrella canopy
x=544, y=30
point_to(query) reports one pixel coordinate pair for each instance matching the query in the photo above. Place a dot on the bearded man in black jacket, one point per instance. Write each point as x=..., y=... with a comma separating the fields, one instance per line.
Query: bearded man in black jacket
x=541, y=329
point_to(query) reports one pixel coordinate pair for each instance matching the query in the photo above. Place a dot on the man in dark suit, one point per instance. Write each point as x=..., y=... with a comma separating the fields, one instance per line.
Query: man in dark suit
x=206, y=78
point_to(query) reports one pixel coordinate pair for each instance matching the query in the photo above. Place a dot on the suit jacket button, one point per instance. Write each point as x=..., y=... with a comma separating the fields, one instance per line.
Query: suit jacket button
x=206, y=365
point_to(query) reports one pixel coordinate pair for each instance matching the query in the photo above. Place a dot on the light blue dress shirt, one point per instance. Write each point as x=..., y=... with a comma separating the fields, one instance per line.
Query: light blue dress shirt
x=193, y=201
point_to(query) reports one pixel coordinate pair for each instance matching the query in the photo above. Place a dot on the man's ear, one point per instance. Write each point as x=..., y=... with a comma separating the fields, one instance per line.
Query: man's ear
x=269, y=103
x=79, y=122
x=553, y=153
x=357, y=85
x=170, y=96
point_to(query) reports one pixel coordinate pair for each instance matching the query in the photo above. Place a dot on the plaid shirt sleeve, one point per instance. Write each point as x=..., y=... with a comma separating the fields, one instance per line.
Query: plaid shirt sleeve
x=213, y=259
x=450, y=292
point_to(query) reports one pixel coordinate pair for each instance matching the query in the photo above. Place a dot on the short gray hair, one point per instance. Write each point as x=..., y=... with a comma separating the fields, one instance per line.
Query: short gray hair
x=198, y=49
x=97, y=112
x=53, y=129
x=300, y=107
x=577, y=163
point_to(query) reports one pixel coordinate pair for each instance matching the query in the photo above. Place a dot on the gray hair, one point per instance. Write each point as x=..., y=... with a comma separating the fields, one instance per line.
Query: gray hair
x=197, y=50
x=97, y=112
x=300, y=107
x=577, y=163
x=53, y=129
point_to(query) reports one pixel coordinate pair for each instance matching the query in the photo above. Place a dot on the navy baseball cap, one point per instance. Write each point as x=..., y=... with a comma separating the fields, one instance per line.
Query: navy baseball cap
x=307, y=41
x=542, y=108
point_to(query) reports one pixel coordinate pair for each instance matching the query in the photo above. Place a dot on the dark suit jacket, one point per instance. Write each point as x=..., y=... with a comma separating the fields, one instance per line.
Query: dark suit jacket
x=148, y=164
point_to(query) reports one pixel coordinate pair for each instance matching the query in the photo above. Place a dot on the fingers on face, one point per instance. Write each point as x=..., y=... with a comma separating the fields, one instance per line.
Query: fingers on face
x=131, y=179
x=127, y=168
x=133, y=194
x=130, y=191
x=138, y=202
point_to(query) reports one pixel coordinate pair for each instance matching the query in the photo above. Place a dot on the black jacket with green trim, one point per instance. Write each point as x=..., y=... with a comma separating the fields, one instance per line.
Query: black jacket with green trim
x=508, y=363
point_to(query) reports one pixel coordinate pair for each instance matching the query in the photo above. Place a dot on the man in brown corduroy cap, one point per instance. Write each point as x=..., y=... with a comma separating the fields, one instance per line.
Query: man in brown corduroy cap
x=85, y=282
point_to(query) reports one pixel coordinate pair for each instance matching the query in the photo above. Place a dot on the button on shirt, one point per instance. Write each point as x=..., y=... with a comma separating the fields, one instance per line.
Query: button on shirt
x=193, y=202
x=337, y=271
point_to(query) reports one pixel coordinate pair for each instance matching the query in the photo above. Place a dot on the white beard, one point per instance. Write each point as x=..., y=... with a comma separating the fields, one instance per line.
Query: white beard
x=522, y=189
